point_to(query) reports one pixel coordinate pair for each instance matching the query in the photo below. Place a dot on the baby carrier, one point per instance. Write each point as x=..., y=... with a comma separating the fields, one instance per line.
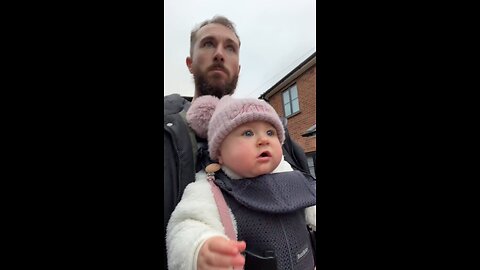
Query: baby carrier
x=269, y=213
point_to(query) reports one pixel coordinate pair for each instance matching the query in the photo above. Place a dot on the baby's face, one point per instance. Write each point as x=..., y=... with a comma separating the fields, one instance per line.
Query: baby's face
x=251, y=149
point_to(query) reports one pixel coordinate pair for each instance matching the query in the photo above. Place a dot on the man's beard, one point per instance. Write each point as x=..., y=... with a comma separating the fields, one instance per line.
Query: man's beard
x=205, y=88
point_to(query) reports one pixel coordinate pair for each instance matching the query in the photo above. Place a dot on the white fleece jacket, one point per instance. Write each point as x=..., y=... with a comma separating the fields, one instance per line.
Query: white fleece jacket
x=196, y=218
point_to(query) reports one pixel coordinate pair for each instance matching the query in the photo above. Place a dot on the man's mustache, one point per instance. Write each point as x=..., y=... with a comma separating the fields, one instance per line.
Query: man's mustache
x=217, y=67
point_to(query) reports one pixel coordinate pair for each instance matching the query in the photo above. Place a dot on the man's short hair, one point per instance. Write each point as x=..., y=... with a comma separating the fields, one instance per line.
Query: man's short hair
x=216, y=19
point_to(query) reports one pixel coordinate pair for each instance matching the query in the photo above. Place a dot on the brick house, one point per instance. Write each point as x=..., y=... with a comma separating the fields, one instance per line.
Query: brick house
x=294, y=97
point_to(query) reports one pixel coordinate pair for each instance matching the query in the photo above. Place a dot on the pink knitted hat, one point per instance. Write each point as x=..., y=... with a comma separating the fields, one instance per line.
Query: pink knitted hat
x=214, y=119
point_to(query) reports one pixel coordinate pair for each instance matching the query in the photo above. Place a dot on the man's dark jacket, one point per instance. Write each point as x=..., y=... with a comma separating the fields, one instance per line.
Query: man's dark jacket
x=178, y=160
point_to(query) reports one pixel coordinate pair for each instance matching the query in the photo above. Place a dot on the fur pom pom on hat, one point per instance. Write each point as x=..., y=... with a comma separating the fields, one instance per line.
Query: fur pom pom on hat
x=214, y=118
x=200, y=112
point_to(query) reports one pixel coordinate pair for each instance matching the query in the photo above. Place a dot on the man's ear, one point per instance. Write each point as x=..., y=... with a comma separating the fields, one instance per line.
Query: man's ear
x=189, y=63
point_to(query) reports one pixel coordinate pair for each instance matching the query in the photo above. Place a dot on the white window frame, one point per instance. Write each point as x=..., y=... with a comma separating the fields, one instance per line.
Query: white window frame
x=289, y=102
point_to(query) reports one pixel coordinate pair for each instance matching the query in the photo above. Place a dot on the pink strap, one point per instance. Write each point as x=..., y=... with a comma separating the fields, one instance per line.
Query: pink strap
x=222, y=210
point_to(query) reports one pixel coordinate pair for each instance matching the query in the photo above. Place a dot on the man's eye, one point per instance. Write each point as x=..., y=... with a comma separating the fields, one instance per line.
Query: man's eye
x=271, y=133
x=208, y=44
x=231, y=48
x=248, y=133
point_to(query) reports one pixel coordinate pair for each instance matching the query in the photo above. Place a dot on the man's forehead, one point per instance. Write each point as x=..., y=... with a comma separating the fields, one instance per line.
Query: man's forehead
x=218, y=31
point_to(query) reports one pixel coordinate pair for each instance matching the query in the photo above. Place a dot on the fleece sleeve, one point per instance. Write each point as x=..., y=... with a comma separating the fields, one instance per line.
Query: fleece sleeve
x=194, y=220
x=311, y=217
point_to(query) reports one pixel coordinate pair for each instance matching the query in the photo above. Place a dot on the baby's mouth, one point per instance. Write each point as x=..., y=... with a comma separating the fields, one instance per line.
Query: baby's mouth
x=265, y=154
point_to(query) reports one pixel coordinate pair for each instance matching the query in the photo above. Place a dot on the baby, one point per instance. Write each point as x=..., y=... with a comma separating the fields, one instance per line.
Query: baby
x=269, y=205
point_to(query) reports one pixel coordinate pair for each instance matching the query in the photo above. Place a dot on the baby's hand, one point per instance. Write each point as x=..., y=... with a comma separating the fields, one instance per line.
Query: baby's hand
x=220, y=253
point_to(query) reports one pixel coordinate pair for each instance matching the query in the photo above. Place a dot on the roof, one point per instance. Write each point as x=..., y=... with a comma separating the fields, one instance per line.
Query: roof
x=292, y=75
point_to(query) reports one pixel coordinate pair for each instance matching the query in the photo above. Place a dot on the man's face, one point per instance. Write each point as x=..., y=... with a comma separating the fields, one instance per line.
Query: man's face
x=215, y=61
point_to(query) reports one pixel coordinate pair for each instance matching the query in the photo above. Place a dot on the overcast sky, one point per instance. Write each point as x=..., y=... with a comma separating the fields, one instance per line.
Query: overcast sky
x=276, y=36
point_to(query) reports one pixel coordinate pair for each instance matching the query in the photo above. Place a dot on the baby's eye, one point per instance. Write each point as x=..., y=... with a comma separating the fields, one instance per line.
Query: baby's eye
x=271, y=133
x=248, y=133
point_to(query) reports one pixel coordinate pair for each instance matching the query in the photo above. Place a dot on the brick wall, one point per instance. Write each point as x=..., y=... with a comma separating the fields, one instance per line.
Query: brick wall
x=299, y=123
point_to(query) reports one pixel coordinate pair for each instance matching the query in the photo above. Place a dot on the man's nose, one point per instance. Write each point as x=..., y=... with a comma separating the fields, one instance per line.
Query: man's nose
x=219, y=55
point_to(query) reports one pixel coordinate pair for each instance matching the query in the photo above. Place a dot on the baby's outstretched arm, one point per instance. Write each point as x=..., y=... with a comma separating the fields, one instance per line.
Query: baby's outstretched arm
x=218, y=252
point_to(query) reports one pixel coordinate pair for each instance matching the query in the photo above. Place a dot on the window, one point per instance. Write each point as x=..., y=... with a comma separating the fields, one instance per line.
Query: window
x=312, y=163
x=290, y=101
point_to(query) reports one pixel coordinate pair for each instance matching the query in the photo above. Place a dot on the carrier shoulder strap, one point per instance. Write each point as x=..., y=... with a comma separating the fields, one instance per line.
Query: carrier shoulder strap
x=193, y=139
x=293, y=152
